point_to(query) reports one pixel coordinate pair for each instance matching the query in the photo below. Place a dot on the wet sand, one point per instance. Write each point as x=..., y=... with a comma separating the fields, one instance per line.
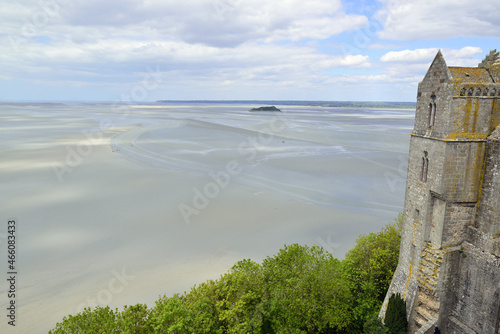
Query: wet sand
x=118, y=204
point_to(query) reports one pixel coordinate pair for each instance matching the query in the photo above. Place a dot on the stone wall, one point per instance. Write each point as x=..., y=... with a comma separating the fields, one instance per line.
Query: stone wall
x=458, y=218
x=462, y=171
x=473, y=293
x=488, y=218
x=471, y=117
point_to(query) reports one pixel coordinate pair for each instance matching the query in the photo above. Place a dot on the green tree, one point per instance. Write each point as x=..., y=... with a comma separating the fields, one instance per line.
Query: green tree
x=242, y=297
x=133, y=319
x=101, y=320
x=202, y=306
x=169, y=315
x=306, y=291
x=395, y=316
x=369, y=267
x=374, y=326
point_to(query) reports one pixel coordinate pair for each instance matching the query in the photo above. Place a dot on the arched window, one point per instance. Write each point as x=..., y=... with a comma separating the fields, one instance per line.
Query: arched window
x=433, y=114
x=432, y=111
x=471, y=91
x=485, y=92
x=493, y=92
x=463, y=91
x=430, y=114
x=478, y=92
x=425, y=170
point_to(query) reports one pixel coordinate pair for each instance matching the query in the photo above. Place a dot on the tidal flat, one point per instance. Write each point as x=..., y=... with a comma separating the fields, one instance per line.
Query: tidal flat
x=117, y=204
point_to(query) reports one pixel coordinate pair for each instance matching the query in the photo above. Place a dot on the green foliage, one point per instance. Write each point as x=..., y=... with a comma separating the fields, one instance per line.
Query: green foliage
x=374, y=326
x=299, y=290
x=307, y=292
x=133, y=319
x=369, y=268
x=169, y=315
x=243, y=295
x=100, y=320
x=395, y=316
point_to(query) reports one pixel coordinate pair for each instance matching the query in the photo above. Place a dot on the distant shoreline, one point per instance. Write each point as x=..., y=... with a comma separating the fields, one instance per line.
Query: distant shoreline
x=331, y=104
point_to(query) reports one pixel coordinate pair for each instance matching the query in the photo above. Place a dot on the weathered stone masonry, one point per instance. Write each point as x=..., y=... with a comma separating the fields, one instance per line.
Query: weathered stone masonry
x=449, y=264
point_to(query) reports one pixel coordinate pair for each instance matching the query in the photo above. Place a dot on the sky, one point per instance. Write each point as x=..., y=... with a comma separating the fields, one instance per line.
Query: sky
x=147, y=50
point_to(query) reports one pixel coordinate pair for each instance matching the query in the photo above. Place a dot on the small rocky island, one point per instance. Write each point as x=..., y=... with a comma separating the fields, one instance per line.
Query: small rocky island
x=271, y=108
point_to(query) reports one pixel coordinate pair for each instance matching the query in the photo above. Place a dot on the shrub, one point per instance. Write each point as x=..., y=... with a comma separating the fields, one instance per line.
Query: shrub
x=374, y=326
x=395, y=316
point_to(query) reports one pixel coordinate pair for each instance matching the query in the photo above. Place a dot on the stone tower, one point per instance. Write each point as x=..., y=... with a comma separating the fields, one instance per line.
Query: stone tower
x=449, y=263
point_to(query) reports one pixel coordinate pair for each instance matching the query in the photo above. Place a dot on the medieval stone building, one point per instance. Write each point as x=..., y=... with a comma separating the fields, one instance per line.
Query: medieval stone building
x=449, y=263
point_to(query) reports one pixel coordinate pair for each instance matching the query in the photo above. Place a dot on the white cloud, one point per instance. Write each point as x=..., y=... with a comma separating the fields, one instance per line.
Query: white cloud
x=256, y=42
x=461, y=57
x=409, y=56
x=357, y=61
x=429, y=19
x=205, y=45
x=464, y=54
x=222, y=23
x=410, y=66
x=120, y=59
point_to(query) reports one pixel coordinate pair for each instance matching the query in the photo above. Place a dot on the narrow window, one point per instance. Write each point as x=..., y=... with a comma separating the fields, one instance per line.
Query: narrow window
x=426, y=169
x=432, y=111
x=434, y=117
x=430, y=114
x=433, y=114
x=423, y=170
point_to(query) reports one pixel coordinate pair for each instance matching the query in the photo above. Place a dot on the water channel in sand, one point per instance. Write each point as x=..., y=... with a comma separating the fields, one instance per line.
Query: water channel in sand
x=118, y=204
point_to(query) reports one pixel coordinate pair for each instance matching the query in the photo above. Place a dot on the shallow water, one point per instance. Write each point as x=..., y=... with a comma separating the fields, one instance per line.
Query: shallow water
x=118, y=204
